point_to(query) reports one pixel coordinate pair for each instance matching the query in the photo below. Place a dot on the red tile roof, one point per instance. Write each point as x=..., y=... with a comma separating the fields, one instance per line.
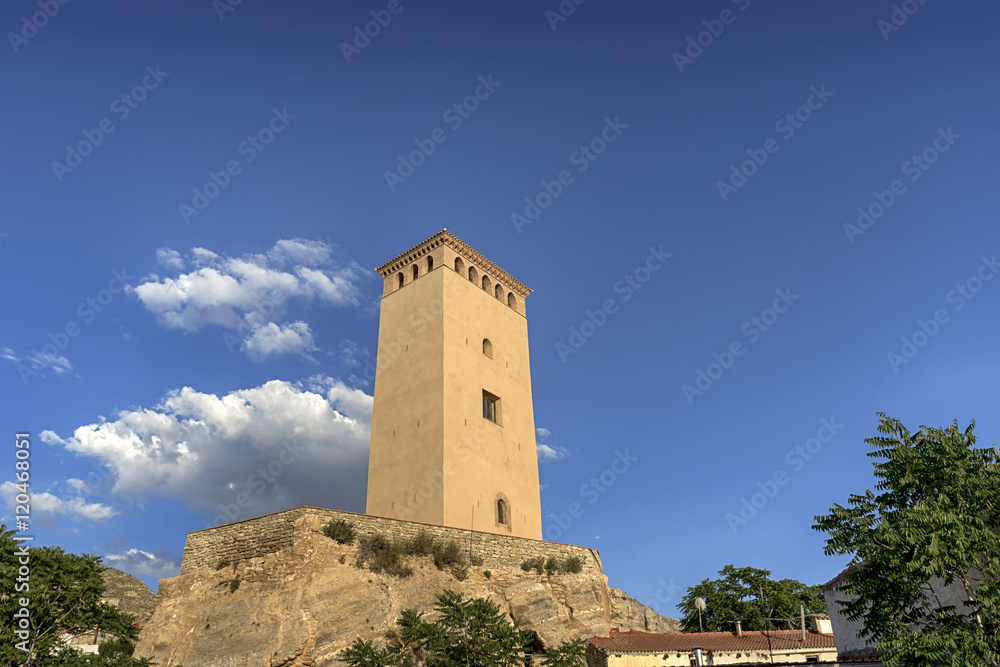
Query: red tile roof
x=632, y=641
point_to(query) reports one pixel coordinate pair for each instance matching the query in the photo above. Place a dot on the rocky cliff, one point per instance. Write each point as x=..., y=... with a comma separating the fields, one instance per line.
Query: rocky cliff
x=300, y=606
x=128, y=594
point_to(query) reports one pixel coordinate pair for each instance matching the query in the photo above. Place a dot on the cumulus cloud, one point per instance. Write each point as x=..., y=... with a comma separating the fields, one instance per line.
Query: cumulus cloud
x=169, y=258
x=281, y=444
x=271, y=339
x=298, y=252
x=251, y=293
x=547, y=452
x=143, y=563
x=45, y=506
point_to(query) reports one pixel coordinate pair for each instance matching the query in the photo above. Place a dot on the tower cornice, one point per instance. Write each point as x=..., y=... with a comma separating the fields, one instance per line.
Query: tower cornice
x=444, y=237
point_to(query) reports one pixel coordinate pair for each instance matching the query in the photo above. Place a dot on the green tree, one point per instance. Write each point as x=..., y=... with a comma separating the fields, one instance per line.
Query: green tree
x=467, y=633
x=568, y=654
x=64, y=595
x=736, y=595
x=935, y=522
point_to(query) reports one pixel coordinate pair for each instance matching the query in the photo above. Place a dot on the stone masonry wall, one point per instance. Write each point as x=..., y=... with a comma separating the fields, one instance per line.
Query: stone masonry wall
x=243, y=540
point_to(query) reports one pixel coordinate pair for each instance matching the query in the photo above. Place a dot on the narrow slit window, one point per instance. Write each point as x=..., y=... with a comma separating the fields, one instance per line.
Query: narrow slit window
x=488, y=348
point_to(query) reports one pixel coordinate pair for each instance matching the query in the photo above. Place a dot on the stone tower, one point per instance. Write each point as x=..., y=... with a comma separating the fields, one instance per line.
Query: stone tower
x=453, y=432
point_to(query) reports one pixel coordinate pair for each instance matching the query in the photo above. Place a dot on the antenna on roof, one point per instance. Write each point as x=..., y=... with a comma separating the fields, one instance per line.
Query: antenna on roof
x=699, y=604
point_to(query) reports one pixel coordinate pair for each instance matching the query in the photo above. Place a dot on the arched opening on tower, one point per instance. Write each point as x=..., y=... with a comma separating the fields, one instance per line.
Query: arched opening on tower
x=503, y=512
x=430, y=264
x=459, y=266
x=473, y=275
x=416, y=271
x=498, y=292
x=486, y=283
x=511, y=300
x=488, y=348
x=401, y=279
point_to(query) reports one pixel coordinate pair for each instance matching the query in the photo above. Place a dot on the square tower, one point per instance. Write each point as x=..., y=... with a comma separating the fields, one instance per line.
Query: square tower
x=453, y=432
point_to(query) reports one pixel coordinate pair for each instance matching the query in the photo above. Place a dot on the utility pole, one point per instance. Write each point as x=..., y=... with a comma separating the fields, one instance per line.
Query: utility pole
x=763, y=613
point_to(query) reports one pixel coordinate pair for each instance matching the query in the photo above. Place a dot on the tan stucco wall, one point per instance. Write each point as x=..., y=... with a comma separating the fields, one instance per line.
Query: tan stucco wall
x=488, y=460
x=434, y=458
x=406, y=459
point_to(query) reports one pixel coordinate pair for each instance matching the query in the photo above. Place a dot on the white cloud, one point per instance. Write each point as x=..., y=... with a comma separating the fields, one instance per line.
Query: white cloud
x=169, y=258
x=547, y=452
x=300, y=252
x=250, y=293
x=42, y=361
x=354, y=354
x=202, y=256
x=39, y=362
x=77, y=485
x=45, y=505
x=551, y=453
x=281, y=443
x=143, y=563
x=271, y=339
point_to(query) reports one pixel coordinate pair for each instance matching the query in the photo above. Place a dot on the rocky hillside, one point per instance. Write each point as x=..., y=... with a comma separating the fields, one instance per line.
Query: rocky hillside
x=301, y=606
x=628, y=613
x=125, y=592
x=128, y=593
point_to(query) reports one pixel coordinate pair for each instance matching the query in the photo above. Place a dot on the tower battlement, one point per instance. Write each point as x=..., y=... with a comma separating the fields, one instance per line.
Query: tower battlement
x=444, y=249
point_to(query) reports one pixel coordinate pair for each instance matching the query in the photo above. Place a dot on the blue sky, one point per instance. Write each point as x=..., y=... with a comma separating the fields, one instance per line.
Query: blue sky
x=195, y=199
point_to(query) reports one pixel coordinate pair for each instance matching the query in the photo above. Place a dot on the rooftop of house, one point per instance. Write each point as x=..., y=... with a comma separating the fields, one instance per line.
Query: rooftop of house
x=631, y=641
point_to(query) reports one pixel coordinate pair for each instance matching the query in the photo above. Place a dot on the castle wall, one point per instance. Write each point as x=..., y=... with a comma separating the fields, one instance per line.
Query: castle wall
x=240, y=541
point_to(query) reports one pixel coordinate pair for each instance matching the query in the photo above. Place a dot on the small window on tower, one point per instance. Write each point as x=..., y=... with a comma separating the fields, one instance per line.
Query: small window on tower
x=491, y=407
x=416, y=271
x=486, y=283
x=488, y=348
x=430, y=264
x=401, y=279
x=498, y=292
x=459, y=265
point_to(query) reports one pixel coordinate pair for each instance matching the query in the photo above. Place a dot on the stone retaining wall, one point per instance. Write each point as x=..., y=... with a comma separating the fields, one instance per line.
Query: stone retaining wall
x=240, y=541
